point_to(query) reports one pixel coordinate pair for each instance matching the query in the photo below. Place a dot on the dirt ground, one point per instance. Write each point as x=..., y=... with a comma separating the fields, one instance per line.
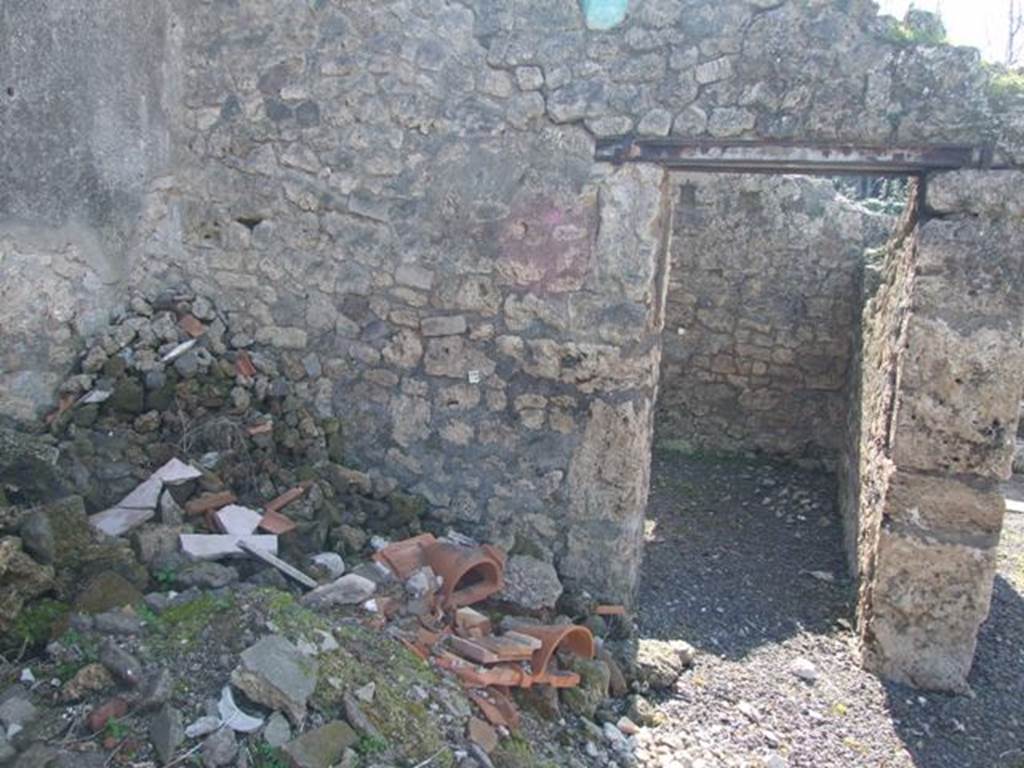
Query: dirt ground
x=744, y=560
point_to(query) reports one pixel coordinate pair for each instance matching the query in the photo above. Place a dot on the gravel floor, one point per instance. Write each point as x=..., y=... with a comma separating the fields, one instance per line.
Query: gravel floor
x=744, y=561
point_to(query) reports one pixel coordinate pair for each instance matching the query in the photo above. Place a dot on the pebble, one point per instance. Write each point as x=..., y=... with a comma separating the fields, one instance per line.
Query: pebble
x=219, y=749
x=204, y=726
x=331, y=562
x=804, y=669
x=122, y=665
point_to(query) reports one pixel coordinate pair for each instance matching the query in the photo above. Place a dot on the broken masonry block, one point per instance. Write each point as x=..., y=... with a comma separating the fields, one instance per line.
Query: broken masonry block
x=237, y=520
x=216, y=546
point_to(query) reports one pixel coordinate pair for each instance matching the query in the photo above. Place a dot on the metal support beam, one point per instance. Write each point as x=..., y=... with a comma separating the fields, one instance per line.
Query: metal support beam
x=783, y=157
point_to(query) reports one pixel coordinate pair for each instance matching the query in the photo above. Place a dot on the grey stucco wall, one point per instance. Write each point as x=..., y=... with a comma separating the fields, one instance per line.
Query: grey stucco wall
x=84, y=131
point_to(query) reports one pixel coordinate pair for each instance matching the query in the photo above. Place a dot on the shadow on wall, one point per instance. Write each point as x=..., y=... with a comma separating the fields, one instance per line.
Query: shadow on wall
x=719, y=532
x=941, y=731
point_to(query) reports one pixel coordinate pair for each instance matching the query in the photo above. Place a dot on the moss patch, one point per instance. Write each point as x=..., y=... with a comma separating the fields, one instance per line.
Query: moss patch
x=179, y=627
x=407, y=727
x=291, y=619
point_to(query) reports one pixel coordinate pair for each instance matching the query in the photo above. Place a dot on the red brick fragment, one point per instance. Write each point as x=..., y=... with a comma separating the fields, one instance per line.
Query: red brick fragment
x=192, y=326
x=101, y=715
x=286, y=498
x=407, y=556
x=244, y=366
x=495, y=706
x=275, y=522
x=210, y=502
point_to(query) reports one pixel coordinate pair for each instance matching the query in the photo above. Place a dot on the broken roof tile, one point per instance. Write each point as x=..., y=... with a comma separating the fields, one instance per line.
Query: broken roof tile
x=276, y=523
x=496, y=707
x=472, y=651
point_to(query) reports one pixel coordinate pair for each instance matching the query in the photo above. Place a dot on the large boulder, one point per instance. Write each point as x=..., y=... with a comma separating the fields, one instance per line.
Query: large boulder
x=21, y=579
x=28, y=467
x=77, y=551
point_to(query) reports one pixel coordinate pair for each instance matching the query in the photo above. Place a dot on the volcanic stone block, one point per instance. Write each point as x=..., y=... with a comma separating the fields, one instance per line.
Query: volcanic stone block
x=958, y=398
x=946, y=505
x=922, y=610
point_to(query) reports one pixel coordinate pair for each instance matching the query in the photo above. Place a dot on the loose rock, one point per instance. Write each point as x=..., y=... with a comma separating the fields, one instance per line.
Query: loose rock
x=276, y=674
x=321, y=748
x=166, y=732
x=531, y=583
x=350, y=589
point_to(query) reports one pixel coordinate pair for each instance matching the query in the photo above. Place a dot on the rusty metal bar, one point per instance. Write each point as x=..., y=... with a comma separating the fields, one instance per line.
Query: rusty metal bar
x=785, y=157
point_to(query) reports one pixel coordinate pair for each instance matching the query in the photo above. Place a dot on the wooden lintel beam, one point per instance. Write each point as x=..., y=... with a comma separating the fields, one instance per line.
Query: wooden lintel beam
x=784, y=157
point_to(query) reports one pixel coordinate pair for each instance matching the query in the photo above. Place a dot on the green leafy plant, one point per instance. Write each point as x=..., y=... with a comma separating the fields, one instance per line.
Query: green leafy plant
x=370, y=745
x=115, y=729
x=35, y=625
x=147, y=614
x=165, y=577
x=1006, y=84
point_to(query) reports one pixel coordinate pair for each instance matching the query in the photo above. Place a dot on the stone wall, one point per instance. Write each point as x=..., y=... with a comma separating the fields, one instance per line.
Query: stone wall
x=943, y=360
x=761, y=314
x=404, y=193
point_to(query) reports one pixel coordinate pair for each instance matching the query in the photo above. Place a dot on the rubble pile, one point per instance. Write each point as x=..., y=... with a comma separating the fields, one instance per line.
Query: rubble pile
x=169, y=379
x=190, y=574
